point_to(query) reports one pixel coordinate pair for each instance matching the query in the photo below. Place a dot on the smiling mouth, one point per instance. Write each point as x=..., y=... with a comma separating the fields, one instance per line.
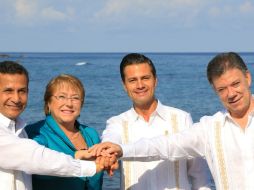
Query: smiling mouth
x=234, y=101
x=141, y=92
x=15, y=107
x=67, y=111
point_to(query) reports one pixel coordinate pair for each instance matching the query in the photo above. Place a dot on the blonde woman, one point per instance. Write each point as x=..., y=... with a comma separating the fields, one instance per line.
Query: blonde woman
x=60, y=131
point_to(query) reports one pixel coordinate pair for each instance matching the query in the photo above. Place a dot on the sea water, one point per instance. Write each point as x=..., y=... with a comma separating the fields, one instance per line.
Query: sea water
x=182, y=83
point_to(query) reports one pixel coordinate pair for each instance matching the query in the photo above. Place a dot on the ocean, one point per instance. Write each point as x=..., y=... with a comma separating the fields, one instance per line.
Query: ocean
x=182, y=83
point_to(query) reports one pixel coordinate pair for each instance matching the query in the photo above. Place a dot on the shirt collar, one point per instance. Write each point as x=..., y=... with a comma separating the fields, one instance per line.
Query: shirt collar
x=225, y=116
x=6, y=122
x=159, y=111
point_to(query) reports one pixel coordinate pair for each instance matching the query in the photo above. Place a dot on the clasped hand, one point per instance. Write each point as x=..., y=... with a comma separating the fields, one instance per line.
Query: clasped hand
x=104, y=154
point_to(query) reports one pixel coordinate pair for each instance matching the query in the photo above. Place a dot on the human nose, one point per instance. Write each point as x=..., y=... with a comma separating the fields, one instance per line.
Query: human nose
x=68, y=101
x=16, y=97
x=231, y=92
x=140, y=84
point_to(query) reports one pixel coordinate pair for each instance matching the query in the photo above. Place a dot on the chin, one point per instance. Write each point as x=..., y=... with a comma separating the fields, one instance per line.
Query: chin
x=69, y=120
x=14, y=115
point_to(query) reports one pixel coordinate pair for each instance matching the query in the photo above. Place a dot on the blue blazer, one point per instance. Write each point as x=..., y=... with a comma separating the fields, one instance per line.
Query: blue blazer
x=48, y=133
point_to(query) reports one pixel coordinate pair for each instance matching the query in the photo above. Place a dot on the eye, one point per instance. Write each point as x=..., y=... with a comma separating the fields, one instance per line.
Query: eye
x=147, y=77
x=8, y=90
x=131, y=80
x=61, y=97
x=75, y=98
x=220, y=90
x=236, y=84
x=23, y=91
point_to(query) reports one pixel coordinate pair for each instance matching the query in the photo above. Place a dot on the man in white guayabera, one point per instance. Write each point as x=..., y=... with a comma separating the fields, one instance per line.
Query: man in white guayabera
x=149, y=118
x=19, y=155
x=225, y=139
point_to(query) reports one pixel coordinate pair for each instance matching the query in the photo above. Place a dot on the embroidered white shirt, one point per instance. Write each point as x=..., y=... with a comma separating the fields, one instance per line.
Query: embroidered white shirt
x=156, y=175
x=229, y=153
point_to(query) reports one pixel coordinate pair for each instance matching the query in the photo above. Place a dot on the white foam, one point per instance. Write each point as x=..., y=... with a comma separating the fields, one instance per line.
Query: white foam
x=81, y=63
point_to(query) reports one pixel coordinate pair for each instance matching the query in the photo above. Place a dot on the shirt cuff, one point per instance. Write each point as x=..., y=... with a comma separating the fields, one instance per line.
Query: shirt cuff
x=88, y=168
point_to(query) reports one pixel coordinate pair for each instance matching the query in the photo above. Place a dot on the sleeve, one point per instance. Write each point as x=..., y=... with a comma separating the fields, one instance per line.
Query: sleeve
x=28, y=156
x=112, y=133
x=186, y=144
x=198, y=171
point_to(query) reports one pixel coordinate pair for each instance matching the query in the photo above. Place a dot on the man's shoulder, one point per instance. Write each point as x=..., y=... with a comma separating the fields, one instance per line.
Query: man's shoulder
x=122, y=116
x=218, y=116
x=174, y=110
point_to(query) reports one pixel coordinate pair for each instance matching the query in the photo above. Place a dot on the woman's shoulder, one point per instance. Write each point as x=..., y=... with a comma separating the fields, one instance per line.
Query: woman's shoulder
x=34, y=131
x=34, y=128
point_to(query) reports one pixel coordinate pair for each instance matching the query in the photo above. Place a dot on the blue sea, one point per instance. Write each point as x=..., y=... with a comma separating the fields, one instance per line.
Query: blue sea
x=182, y=83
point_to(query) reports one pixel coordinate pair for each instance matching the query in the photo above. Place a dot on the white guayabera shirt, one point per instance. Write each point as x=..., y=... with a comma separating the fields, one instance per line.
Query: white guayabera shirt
x=228, y=149
x=156, y=174
x=20, y=157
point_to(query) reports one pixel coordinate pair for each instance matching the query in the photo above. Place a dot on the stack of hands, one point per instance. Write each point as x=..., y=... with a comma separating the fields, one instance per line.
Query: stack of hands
x=104, y=154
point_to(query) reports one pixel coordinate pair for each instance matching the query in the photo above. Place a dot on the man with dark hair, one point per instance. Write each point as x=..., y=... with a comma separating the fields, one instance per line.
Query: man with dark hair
x=149, y=118
x=20, y=156
x=225, y=139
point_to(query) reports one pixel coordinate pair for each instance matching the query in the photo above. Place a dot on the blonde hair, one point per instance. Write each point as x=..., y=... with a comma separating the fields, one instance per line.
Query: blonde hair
x=60, y=80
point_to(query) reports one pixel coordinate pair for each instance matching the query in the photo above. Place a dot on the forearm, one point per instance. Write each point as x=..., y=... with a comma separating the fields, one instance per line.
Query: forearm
x=175, y=147
x=30, y=157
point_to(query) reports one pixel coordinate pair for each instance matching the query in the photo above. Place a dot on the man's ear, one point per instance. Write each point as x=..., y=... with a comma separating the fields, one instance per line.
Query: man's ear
x=124, y=87
x=156, y=82
x=248, y=77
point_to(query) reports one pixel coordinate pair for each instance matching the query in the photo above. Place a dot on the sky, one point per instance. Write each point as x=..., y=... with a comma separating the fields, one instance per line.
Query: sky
x=126, y=25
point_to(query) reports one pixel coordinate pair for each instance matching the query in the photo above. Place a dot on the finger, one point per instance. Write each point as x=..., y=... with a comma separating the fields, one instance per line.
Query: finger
x=93, y=150
x=101, y=161
x=114, y=166
x=99, y=167
x=112, y=159
x=115, y=149
x=97, y=149
x=110, y=172
x=105, y=153
x=106, y=162
x=83, y=154
x=98, y=160
x=103, y=146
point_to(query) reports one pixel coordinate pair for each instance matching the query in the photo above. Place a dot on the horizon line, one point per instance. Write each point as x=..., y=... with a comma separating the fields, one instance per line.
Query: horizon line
x=120, y=52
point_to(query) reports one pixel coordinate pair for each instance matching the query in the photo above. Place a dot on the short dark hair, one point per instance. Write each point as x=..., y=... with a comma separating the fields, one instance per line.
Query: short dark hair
x=12, y=67
x=223, y=62
x=135, y=58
